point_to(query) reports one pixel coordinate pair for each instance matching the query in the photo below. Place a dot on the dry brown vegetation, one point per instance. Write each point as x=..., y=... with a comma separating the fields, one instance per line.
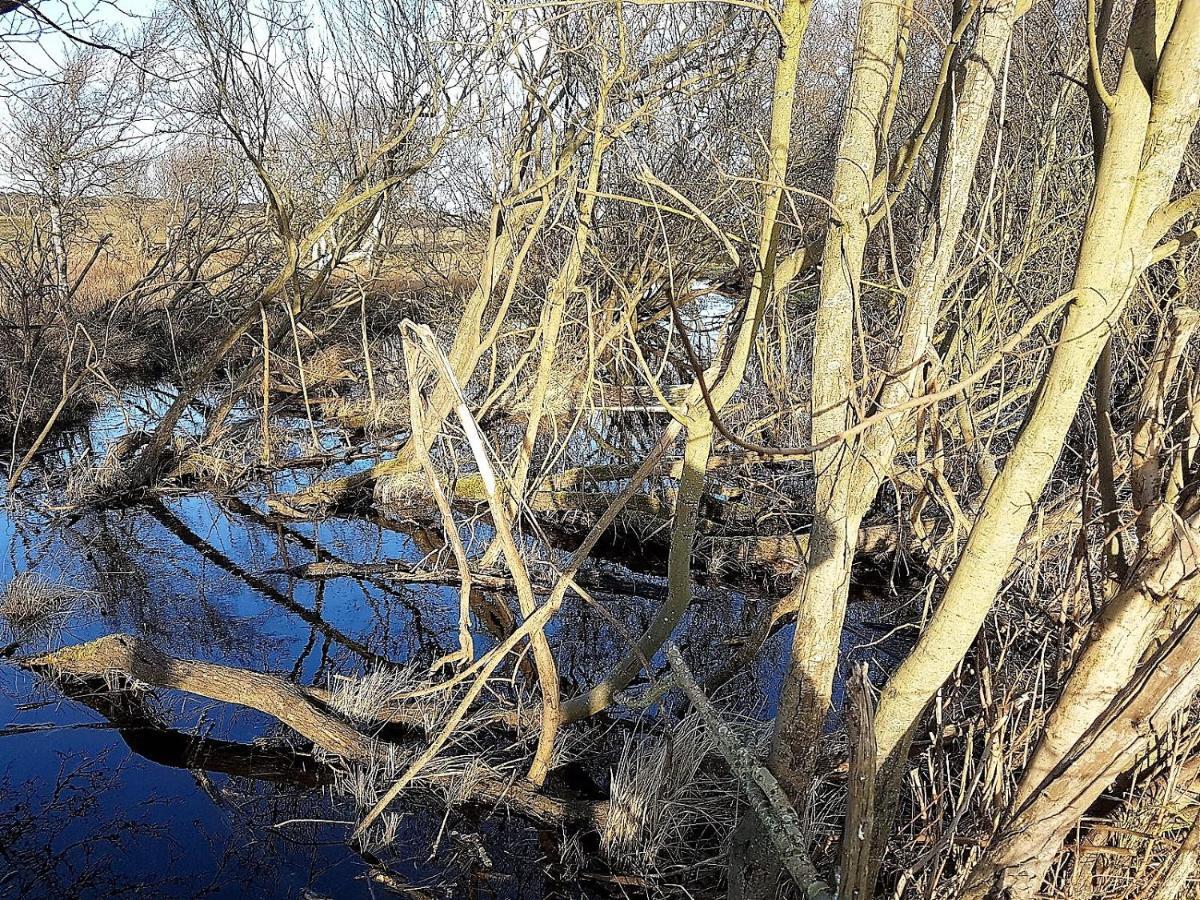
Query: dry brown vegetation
x=893, y=299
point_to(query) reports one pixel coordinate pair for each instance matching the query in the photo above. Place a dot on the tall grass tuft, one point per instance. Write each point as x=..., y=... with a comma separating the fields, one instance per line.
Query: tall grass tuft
x=35, y=609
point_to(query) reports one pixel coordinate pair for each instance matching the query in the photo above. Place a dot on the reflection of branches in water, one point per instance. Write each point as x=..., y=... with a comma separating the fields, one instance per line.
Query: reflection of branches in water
x=422, y=637
x=713, y=624
x=125, y=554
x=146, y=734
x=43, y=853
x=284, y=532
x=66, y=847
x=188, y=537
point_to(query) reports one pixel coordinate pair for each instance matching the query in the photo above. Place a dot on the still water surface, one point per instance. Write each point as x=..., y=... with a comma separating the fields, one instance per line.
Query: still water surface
x=88, y=809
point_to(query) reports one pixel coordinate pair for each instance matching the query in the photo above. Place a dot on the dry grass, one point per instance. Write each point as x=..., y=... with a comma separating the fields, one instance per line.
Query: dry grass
x=366, y=699
x=111, y=276
x=215, y=465
x=370, y=698
x=664, y=790
x=402, y=488
x=35, y=609
x=87, y=483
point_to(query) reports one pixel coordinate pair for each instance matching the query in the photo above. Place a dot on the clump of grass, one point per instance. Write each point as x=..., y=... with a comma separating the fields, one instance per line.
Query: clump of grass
x=218, y=465
x=449, y=777
x=388, y=414
x=401, y=488
x=663, y=789
x=34, y=608
x=89, y=484
x=329, y=364
x=369, y=698
x=378, y=696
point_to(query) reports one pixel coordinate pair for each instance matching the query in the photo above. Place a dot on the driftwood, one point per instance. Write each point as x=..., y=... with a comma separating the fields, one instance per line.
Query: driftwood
x=299, y=708
x=766, y=797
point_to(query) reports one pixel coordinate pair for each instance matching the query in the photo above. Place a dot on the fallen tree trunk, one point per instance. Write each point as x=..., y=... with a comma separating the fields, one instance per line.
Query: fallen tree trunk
x=130, y=656
x=599, y=582
x=298, y=708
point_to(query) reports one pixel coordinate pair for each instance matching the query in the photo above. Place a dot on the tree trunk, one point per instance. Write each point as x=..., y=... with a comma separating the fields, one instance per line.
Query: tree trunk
x=1155, y=107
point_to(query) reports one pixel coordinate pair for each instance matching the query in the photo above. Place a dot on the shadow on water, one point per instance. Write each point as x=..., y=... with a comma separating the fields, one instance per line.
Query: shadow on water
x=165, y=794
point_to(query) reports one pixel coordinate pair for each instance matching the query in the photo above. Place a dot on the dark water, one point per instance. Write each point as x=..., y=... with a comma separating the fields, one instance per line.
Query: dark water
x=104, y=820
x=90, y=809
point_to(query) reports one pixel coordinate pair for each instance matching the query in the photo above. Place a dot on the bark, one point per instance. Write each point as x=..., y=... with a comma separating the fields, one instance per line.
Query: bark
x=599, y=581
x=849, y=473
x=858, y=867
x=1158, y=113
x=679, y=595
x=1151, y=430
x=58, y=246
x=1182, y=866
x=1016, y=861
x=290, y=704
x=146, y=736
x=771, y=804
x=1125, y=629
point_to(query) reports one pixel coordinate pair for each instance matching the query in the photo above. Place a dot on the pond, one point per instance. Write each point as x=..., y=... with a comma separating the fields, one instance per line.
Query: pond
x=167, y=794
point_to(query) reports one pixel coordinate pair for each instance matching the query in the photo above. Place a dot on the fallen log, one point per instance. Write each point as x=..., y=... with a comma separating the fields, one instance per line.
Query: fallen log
x=143, y=732
x=124, y=654
x=597, y=581
x=301, y=709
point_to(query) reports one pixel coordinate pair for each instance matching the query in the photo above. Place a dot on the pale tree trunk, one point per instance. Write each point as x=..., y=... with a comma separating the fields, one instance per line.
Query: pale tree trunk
x=1153, y=113
x=1015, y=863
x=1127, y=626
x=1163, y=583
x=804, y=701
x=697, y=422
x=58, y=247
x=1151, y=429
x=849, y=475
